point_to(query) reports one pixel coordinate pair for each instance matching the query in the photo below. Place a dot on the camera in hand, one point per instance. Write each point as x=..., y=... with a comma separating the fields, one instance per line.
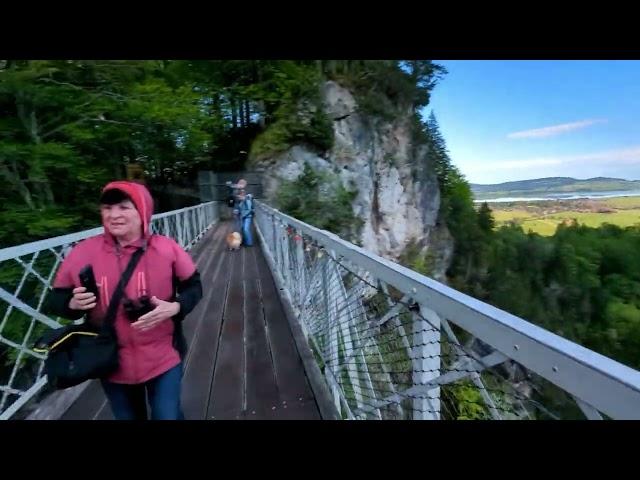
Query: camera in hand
x=134, y=309
x=88, y=280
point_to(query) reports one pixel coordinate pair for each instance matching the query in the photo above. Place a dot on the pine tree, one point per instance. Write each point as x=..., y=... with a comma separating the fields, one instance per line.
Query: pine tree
x=485, y=218
x=439, y=153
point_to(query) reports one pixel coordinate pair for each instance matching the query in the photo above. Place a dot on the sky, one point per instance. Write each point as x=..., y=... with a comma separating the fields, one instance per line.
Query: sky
x=516, y=120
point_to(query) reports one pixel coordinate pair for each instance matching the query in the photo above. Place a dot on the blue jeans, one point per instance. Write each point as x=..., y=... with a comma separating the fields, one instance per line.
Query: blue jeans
x=128, y=402
x=246, y=231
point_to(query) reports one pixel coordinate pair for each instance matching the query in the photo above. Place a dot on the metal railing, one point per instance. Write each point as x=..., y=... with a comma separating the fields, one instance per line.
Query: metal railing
x=394, y=344
x=26, y=274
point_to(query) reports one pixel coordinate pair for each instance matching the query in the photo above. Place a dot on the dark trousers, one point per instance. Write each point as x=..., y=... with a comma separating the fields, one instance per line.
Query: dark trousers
x=129, y=402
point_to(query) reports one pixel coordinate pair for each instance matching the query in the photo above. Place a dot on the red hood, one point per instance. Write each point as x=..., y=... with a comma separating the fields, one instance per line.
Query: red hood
x=140, y=197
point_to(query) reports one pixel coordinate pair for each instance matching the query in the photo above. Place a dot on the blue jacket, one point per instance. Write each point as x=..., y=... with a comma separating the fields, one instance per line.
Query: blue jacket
x=246, y=207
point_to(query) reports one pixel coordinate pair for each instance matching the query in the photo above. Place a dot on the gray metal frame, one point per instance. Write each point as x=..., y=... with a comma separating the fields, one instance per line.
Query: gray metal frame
x=597, y=383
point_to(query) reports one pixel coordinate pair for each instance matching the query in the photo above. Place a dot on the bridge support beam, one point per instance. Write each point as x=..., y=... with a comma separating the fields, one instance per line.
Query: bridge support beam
x=425, y=354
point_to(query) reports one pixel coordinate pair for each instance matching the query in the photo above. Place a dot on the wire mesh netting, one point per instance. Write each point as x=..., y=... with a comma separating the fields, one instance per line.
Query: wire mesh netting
x=384, y=356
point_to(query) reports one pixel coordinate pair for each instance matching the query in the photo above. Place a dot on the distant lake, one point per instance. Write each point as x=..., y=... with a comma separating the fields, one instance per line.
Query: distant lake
x=565, y=196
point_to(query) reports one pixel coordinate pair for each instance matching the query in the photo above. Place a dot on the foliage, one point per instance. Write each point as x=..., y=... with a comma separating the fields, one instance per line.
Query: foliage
x=385, y=88
x=318, y=198
x=299, y=118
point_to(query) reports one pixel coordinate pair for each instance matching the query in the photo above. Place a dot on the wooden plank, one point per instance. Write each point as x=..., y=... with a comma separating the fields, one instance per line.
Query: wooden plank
x=199, y=365
x=105, y=412
x=204, y=262
x=293, y=388
x=56, y=403
x=87, y=405
x=262, y=399
x=227, y=389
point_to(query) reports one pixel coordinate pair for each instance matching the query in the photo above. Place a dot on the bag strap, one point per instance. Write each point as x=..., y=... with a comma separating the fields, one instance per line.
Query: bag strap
x=109, y=318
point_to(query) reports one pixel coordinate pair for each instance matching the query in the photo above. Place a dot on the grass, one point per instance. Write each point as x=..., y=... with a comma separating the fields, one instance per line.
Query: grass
x=625, y=212
x=621, y=218
x=622, y=203
x=542, y=227
x=547, y=225
x=502, y=216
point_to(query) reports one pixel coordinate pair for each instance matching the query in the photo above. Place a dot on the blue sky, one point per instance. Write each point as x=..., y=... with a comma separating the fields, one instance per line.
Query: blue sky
x=514, y=120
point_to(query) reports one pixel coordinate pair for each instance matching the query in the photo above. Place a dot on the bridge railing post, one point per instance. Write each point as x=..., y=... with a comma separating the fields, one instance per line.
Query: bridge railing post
x=426, y=357
x=331, y=335
x=286, y=264
x=301, y=277
x=274, y=240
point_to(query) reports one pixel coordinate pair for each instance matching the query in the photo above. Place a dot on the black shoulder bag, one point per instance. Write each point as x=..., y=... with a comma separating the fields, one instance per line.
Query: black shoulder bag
x=77, y=353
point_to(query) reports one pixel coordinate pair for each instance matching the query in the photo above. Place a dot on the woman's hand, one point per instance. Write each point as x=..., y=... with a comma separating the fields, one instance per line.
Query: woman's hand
x=163, y=311
x=82, y=300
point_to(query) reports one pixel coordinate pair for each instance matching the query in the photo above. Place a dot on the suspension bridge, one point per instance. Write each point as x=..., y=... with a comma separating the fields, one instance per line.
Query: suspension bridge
x=306, y=325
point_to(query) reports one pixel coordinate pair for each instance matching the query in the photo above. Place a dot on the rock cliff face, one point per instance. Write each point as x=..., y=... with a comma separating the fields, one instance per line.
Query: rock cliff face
x=398, y=196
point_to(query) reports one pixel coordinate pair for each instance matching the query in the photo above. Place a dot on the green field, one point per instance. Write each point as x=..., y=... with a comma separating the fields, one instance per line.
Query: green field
x=544, y=217
x=502, y=216
x=622, y=202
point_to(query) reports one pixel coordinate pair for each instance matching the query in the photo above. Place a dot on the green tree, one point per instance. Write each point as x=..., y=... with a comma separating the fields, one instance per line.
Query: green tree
x=69, y=126
x=486, y=221
x=321, y=200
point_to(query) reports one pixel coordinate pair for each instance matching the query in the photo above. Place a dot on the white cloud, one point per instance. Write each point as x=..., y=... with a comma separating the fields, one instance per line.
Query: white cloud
x=624, y=156
x=528, y=163
x=554, y=129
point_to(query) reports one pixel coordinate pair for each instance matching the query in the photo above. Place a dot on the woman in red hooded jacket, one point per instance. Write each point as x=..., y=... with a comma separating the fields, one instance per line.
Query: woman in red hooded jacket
x=151, y=344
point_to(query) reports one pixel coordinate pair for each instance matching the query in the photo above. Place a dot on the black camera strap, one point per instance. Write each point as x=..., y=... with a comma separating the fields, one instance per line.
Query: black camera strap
x=109, y=319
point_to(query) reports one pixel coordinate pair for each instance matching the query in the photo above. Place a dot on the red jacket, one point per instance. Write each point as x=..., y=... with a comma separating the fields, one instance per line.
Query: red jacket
x=143, y=355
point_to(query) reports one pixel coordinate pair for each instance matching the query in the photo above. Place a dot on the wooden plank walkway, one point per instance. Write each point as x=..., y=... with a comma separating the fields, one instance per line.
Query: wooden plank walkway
x=242, y=361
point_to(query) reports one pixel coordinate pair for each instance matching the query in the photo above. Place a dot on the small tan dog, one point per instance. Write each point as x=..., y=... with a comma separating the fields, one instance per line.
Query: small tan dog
x=234, y=240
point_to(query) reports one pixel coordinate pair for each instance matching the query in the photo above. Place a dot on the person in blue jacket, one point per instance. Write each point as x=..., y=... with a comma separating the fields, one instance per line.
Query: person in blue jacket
x=245, y=213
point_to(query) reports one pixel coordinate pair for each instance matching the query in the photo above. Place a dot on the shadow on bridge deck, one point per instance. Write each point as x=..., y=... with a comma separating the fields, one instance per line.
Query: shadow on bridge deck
x=242, y=361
